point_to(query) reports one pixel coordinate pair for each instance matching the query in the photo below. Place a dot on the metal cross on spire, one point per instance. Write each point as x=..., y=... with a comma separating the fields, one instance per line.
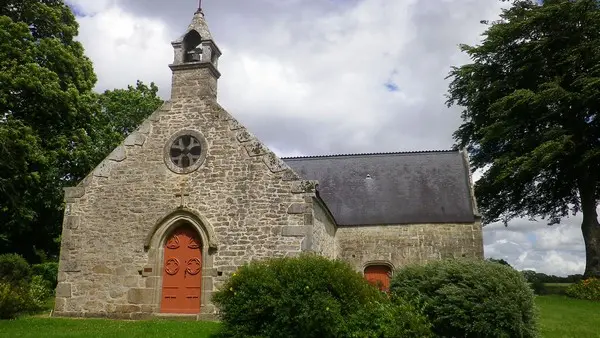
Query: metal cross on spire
x=199, y=6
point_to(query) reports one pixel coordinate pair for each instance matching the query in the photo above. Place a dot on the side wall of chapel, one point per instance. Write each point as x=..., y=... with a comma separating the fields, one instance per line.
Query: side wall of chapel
x=321, y=229
x=399, y=245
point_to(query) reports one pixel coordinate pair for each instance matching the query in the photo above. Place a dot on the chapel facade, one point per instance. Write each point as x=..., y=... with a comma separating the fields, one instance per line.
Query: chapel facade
x=192, y=195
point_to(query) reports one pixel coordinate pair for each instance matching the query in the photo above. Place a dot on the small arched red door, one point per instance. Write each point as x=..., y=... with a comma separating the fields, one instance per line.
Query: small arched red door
x=379, y=276
x=182, y=272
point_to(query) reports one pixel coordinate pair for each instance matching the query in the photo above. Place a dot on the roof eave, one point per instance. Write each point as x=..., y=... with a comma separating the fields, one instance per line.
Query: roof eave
x=324, y=205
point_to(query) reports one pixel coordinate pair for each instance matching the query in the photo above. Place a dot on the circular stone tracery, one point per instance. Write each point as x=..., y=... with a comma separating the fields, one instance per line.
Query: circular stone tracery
x=185, y=151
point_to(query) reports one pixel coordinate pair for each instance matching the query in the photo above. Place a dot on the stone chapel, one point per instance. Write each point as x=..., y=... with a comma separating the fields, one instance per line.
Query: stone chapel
x=191, y=195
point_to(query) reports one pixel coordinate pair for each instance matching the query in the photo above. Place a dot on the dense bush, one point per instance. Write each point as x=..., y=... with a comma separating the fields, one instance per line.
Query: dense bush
x=585, y=289
x=467, y=298
x=20, y=291
x=14, y=300
x=14, y=269
x=309, y=296
x=387, y=319
x=48, y=271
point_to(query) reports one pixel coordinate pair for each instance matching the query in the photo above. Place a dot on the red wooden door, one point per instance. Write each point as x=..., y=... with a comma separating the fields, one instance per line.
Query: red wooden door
x=182, y=272
x=379, y=275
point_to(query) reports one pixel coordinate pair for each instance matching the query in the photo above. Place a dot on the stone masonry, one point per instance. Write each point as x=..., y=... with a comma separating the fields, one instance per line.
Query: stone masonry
x=400, y=245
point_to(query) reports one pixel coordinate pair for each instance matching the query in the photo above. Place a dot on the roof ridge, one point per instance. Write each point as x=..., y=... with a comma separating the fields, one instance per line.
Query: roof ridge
x=369, y=154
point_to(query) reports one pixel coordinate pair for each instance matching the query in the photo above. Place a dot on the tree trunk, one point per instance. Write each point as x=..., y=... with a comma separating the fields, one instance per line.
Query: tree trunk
x=591, y=237
x=590, y=226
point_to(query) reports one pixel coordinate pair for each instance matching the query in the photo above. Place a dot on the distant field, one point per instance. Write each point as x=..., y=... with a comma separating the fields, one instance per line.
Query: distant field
x=561, y=317
x=562, y=285
x=556, y=288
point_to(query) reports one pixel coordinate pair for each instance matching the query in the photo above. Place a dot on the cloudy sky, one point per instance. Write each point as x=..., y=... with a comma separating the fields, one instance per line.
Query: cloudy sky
x=313, y=77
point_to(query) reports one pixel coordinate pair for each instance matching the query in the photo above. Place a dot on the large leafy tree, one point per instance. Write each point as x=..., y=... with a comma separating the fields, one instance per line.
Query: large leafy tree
x=53, y=128
x=46, y=101
x=531, y=101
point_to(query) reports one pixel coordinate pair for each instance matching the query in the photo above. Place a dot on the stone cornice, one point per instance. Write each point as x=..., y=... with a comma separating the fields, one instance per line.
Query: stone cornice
x=196, y=65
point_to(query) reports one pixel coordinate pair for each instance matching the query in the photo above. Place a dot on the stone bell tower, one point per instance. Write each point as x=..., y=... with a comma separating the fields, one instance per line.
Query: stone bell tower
x=195, y=65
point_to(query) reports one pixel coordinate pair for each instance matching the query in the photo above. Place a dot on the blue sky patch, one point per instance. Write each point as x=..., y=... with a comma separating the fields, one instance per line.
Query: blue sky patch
x=77, y=10
x=391, y=86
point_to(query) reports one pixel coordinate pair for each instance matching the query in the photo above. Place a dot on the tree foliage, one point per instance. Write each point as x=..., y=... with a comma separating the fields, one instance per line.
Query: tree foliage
x=499, y=261
x=45, y=95
x=530, y=119
x=54, y=128
x=120, y=112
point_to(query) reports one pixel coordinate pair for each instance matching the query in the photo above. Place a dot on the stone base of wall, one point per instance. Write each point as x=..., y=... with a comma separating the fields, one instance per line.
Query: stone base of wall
x=137, y=316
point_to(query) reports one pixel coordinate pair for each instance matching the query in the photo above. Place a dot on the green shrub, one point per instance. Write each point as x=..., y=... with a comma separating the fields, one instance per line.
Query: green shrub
x=468, y=298
x=585, y=289
x=48, y=271
x=14, y=269
x=14, y=300
x=39, y=292
x=387, y=319
x=20, y=292
x=306, y=296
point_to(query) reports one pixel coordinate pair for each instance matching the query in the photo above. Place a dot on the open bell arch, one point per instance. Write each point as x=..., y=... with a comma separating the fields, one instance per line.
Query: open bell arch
x=192, y=45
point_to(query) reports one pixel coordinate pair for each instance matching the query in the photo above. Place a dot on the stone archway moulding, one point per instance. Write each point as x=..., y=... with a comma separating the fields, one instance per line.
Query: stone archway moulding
x=157, y=234
x=378, y=262
x=154, y=246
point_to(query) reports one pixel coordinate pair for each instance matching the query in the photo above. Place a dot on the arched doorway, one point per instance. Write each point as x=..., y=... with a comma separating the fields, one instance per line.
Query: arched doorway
x=182, y=272
x=379, y=276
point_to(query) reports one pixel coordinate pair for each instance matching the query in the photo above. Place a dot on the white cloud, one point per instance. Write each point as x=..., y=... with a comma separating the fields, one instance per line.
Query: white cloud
x=564, y=237
x=562, y=263
x=125, y=48
x=556, y=249
x=91, y=7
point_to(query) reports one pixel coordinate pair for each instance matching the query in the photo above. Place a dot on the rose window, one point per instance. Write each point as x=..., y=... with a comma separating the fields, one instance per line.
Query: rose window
x=185, y=151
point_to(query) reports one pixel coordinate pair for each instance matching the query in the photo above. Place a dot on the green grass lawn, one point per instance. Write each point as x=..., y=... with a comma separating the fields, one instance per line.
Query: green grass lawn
x=34, y=327
x=561, y=317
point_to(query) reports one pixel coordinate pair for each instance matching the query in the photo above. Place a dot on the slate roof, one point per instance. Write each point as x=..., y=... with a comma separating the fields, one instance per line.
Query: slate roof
x=391, y=188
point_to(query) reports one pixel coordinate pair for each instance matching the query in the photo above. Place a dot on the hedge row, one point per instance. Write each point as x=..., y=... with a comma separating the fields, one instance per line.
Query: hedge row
x=311, y=296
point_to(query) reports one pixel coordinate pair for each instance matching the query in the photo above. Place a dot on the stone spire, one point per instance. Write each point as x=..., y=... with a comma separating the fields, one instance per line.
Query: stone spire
x=195, y=64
